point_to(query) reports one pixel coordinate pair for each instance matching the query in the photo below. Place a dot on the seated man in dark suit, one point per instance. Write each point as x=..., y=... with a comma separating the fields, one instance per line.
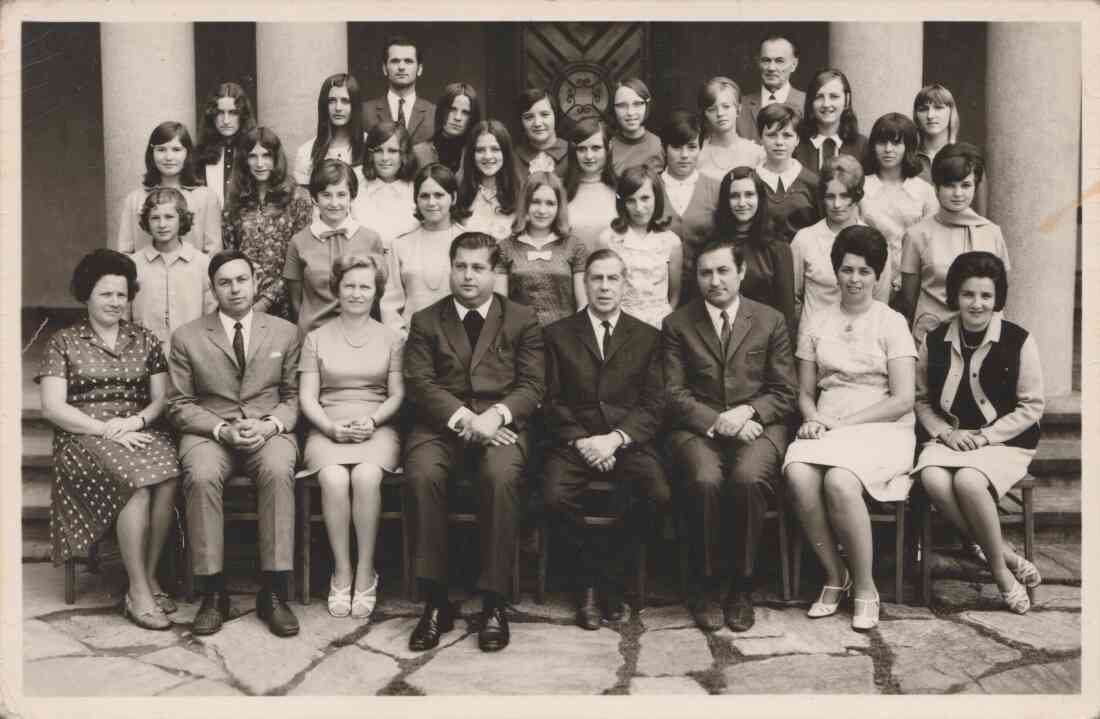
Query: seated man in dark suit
x=474, y=372
x=730, y=380
x=604, y=404
x=233, y=398
x=402, y=64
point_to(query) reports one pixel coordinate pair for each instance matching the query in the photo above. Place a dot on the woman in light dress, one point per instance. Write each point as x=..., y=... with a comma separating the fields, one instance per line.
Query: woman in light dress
x=719, y=102
x=339, y=128
x=590, y=182
x=489, y=187
x=385, y=201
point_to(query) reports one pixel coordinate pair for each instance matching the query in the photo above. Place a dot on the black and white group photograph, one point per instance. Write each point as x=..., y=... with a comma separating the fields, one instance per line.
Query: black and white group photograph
x=524, y=351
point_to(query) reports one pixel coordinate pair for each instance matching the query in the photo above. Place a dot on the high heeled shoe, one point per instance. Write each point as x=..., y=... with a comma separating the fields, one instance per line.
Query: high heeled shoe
x=865, y=613
x=362, y=605
x=821, y=608
x=339, y=599
x=1016, y=598
x=1026, y=573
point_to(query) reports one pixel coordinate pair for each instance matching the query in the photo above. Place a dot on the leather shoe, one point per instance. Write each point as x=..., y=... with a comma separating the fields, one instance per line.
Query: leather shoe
x=612, y=603
x=494, y=634
x=434, y=622
x=212, y=613
x=706, y=613
x=739, y=612
x=273, y=609
x=588, y=614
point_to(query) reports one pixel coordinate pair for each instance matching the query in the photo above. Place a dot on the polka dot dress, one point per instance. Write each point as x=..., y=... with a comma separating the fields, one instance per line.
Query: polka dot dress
x=95, y=477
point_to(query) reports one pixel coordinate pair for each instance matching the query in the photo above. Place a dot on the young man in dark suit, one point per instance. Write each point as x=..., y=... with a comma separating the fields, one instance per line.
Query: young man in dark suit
x=778, y=60
x=604, y=404
x=474, y=373
x=731, y=385
x=402, y=64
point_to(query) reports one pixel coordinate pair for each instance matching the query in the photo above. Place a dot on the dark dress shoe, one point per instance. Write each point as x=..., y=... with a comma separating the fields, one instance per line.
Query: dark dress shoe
x=706, y=613
x=588, y=614
x=494, y=634
x=611, y=600
x=434, y=622
x=212, y=613
x=273, y=609
x=739, y=612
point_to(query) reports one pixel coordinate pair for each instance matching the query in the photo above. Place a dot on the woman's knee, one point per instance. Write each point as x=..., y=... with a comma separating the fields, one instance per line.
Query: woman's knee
x=333, y=478
x=842, y=486
x=803, y=480
x=366, y=478
x=971, y=482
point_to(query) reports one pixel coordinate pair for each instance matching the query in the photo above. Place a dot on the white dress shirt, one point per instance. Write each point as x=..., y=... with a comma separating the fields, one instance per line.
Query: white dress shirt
x=464, y=413
x=715, y=314
x=597, y=327
x=246, y=335
x=392, y=98
x=679, y=191
x=780, y=95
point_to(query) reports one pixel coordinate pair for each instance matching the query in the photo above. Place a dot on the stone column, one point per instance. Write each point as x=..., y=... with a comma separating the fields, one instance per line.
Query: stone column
x=148, y=78
x=1034, y=178
x=292, y=60
x=883, y=62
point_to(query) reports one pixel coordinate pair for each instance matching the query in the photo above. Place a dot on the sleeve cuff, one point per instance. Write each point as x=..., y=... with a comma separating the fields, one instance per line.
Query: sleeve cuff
x=459, y=415
x=627, y=441
x=218, y=428
x=278, y=424
x=504, y=412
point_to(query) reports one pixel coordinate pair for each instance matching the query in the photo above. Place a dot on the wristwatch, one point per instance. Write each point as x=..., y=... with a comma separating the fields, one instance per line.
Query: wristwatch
x=755, y=415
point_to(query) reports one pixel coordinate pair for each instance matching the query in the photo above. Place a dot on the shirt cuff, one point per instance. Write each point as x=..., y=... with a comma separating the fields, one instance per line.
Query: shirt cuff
x=627, y=441
x=460, y=414
x=504, y=412
x=218, y=428
x=278, y=424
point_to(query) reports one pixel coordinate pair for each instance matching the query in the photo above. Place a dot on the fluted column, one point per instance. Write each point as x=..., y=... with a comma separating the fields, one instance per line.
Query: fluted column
x=883, y=62
x=292, y=60
x=148, y=78
x=1034, y=178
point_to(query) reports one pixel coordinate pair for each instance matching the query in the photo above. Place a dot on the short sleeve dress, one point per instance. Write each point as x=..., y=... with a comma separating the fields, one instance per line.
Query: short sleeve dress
x=851, y=356
x=354, y=381
x=542, y=278
x=647, y=262
x=94, y=478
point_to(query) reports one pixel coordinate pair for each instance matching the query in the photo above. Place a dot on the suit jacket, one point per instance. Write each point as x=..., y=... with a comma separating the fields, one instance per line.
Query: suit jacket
x=420, y=120
x=750, y=108
x=587, y=395
x=810, y=156
x=758, y=368
x=443, y=373
x=205, y=388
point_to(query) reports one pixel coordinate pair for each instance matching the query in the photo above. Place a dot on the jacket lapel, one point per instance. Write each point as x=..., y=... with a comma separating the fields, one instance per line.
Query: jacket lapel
x=417, y=116
x=259, y=337
x=455, y=332
x=216, y=333
x=619, y=336
x=706, y=329
x=740, y=329
x=489, y=331
x=583, y=328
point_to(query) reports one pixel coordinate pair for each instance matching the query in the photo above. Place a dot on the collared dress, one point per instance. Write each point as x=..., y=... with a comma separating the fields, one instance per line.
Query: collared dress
x=175, y=289
x=485, y=215
x=94, y=477
x=648, y=264
x=893, y=209
x=542, y=278
x=387, y=208
x=205, y=234
x=419, y=274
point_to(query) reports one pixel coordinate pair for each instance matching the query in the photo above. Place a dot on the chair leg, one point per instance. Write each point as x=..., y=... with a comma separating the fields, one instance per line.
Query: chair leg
x=784, y=553
x=925, y=550
x=643, y=562
x=93, y=558
x=796, y=561
x=515, y=574
x=681, y=537
x=306, y=533
x=70, y=581
x=407, y=549
x=542, y=535
x=1029, y=523
x=899, y=552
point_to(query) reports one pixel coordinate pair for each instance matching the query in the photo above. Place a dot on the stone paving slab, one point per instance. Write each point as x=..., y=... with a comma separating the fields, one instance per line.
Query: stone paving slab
x=790, y=631
x=665, y=685
x=349, y=671
x=1053, y=678
x=541, y=659
x=672, y=616
x=319, y=629
x=904, y=611
x=41, y=641
x=94, y=676
x=202, y=688
x=44, y=590
x=180, y=659
x=934, y=656
x=392, y=637
x=1055, y=596
x=558, y=607
x=1059, y=562
x=954, y=594
x=854, y=674
x=113, y=631
x=1049, y=631
x=769, y=623
x=257, y=659
x=674, y=651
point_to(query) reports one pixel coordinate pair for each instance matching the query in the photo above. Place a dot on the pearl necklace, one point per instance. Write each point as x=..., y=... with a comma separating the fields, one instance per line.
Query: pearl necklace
x=344, y=332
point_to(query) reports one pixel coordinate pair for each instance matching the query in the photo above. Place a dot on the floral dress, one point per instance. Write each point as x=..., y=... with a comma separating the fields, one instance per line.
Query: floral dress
x=95, y=477
x=263, y=233
x=647, y=263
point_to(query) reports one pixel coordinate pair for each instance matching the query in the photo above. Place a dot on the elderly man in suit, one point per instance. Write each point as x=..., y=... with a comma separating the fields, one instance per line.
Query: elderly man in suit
x=604, y=404
x=474, y=372
x=731, y=387
x=778, y=60
x=233, y=398
x=402, y=64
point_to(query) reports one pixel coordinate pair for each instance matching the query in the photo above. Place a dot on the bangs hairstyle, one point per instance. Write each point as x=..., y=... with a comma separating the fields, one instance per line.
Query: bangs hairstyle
x=955, y=161
x=725, y=224
x=560, y=226
x=446, y=100
x=630, y=181
x=332, y=172
x=708, y=95
x=862, y=241
x=977, y=264
x=527, y=100
x=894, y=127
x=476, y=241
x=506, y=181
x=639, y=87
x=846, y=170
x=166, y=132
x=167, y=196
x=379, y=135
x=96, y=265
x=210, y=140
x=446, y=179
x=221, y=258
x=325, y=130
x=345, y=263
x=937, y=94
x=849, y=124
x=682, y=127
x=779, y=115
x=242, y=188
x=584, y=130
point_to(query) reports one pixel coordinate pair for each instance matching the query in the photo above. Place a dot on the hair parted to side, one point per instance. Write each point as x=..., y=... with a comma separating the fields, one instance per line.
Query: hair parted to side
x=476, y=241
x=98, y=264
x=862, y=241
x=221, y=258
x=977, y=264
x=583, y=130
x=534, y=181
x=167, y=196
x=957, y=160
x=445, y=179
x=379, y=135
x=605, y=253
x=779, y=115
x=243, y=190
x=630, y=181
x=401, y=41
x=166, y=132
x=717, y=244
x=347, y=262
x=332, y=172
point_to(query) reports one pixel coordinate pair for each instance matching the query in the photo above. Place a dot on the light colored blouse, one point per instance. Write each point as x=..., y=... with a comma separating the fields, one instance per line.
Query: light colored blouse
x=486, y=216
x=303, y=160
x=892, y=209
x=647, y=261
x=387, y=208
x=419, y=274
x=815, y=286
x=175, y=289
x=716, y=161
x=205, y=234
x=591, y=211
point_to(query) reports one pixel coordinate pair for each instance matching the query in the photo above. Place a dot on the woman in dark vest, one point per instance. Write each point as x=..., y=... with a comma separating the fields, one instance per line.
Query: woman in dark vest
x=979, y=400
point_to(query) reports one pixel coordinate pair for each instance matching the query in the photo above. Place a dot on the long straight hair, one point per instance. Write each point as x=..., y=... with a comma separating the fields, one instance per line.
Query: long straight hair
x=534, y=182
x=584, y=130
x=937, y=94
x=725, y=224
x=325, y=131
x=849, y=123
x=506, y=180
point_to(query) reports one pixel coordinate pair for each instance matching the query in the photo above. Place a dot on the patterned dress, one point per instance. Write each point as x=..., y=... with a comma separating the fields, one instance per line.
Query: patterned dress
x=95, y=477
x=542, y=278
x=647, y=262
x=263, y=233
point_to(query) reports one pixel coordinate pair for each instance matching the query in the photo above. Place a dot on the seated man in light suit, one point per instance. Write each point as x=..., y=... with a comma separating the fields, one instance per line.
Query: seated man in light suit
x=778, y=61
x=402, y=64
x=474, y=373
x=233, y=398
x=730, y=379
x=604, y=404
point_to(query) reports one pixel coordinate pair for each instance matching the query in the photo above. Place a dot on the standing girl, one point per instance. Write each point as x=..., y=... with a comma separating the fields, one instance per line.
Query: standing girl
x=937, y=118
x=830, y=127
x=632, y=144
x=792, y=189
x=385, y=201
x=589, y=181
x=539, y=148
x=228, y=113
x=339, y=127
x=719, y=103
x=489, y=185
x=456, y=112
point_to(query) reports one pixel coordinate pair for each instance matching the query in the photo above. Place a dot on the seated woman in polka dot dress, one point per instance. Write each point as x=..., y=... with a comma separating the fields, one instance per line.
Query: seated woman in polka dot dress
x=103, y=386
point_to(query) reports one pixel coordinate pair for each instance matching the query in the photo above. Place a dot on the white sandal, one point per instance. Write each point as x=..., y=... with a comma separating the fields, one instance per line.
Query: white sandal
x=821, y=608
x=1026, y=573
x=339, y=600
x=865, y=613
x=1016, y=598
x=363, y=604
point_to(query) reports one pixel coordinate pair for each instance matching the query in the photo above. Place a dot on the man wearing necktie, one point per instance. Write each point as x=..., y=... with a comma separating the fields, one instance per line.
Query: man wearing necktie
x=604, y=405
x=402, y=64
x=474, y=373
x=778, y=60
x=731, y=386
x=233, y=399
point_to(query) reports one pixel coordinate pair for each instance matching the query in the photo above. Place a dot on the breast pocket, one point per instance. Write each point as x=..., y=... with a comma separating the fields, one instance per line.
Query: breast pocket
x=754, y=363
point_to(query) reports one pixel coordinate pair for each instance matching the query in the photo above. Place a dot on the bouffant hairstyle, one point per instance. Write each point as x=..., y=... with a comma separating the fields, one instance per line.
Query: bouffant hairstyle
x=536, y=180
x=379, y=135
x=977, y=264
x=446, y=179
x=345, y=263
x=476, y=241
x=957, y=160
x=332, y=172
x=527, y=100
x=166, y=132
x=630, y=181
x=894, y=127
x=210, y=140
x=97, y=264
x=708, y=95
x=585, y=129
x=167, y=196
x=324, y=124
x=846, y=170
x=779, y=115
x=725, y=224
x=506, y=180
x=862, y=241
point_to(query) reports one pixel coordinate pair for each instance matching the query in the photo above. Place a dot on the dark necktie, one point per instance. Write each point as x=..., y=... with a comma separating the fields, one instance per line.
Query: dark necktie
x=473, y=322
x=606, y=338
x=779, y=186
x=771, y=98
x=725, y=336
x=401, y=113
x=238, y=347
x=828, y=150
